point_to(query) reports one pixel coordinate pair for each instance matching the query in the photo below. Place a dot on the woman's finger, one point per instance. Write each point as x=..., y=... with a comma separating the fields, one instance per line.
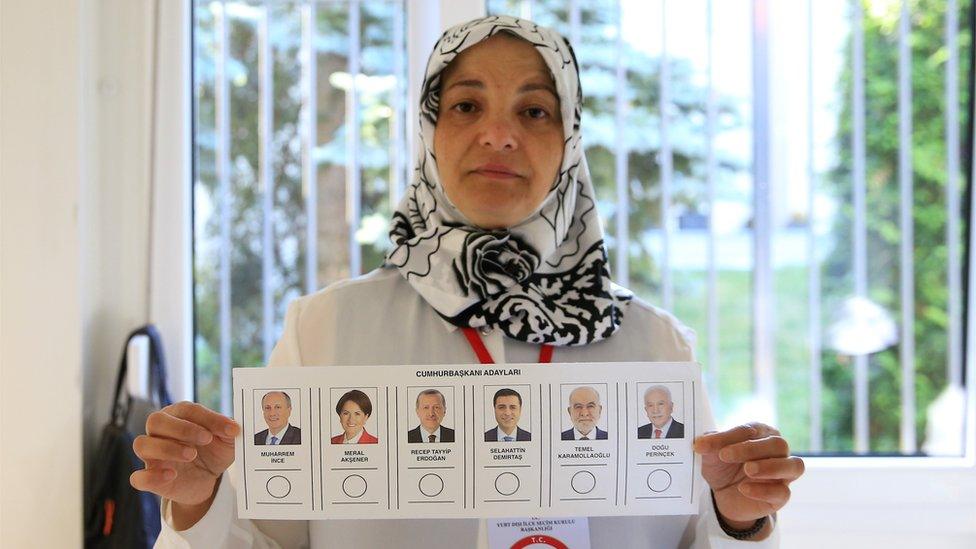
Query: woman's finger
x=150, y=480
x=776, y=494
x=161, y=424
x=218, y=424
x=752, y=450
x=788, y=469
x=713, y=442
x=151, y=448
x=156, y=464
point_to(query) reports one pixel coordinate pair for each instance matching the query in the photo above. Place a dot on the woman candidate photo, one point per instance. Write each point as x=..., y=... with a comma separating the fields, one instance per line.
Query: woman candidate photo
x=353, y=409
x=497, y=242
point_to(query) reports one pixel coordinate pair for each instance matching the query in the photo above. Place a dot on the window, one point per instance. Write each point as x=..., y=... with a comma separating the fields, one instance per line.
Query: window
x=300, y=151
x=755, y=171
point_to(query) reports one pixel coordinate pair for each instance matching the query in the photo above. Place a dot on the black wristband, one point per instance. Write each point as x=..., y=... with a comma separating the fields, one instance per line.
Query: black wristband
x=748, y=533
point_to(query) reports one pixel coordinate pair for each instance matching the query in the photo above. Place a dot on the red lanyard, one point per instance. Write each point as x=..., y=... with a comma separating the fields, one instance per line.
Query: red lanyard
x=478, y=346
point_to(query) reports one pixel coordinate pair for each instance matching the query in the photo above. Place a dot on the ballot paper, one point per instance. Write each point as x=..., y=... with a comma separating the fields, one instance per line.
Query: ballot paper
x=457, y=441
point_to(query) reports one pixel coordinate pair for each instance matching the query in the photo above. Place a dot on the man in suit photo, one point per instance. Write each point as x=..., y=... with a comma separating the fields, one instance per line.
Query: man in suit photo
x=507, y=404
x=276, y=406
x=659, y=406
x=584, y=411
x=431, y=408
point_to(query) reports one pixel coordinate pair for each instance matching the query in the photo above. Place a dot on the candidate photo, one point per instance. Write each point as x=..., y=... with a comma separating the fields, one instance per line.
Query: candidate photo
x=584, y=411
x=354, y=409
x=507, y=404
x=659, y=407
x=276, y=407
x=431, y=407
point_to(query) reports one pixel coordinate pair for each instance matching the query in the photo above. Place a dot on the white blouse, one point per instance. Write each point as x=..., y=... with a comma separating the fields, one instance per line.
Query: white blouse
x=379, y=319
x=355, y=439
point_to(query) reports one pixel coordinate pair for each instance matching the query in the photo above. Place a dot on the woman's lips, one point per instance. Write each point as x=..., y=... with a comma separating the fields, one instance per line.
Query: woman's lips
x=496, y=171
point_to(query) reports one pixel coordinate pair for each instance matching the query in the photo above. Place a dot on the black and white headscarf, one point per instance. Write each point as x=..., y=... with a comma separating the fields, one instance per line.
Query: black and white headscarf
x=544, y=280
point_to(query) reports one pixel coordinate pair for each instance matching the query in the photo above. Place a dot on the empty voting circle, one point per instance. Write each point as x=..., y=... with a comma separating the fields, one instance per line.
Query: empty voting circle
x=659, y=480
x=431, y=485
x=506, y=484
x=583, y=482
x=278, y=486
x=354, y=486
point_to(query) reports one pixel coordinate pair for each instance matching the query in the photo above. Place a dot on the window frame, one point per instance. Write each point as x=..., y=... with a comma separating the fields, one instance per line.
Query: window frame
x=833, y=488
x=171, y=257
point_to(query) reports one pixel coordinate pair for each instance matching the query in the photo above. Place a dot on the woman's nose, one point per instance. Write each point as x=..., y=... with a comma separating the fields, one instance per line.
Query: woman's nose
x=498, y=134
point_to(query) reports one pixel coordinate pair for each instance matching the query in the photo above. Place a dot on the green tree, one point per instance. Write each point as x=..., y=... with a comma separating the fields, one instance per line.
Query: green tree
x=928, y=150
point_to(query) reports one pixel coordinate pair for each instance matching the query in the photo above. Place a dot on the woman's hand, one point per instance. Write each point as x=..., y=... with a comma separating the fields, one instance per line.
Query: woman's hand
x=749, y=469
x=186, y=448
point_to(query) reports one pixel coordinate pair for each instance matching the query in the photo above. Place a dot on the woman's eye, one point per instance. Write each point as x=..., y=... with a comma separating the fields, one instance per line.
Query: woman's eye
x=465, y=107
x=536, y=112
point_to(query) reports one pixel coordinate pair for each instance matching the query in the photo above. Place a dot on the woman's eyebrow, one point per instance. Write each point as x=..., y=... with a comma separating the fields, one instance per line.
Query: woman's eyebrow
x=535, y=86
x=529, y=87
x=469, y=83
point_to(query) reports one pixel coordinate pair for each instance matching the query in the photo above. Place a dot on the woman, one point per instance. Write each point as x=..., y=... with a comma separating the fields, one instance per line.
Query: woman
x=498, y=232
x=353, y=409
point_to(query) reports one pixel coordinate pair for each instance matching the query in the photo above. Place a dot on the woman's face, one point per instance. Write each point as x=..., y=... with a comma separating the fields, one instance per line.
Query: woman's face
x=499, y=133
x=352, y=418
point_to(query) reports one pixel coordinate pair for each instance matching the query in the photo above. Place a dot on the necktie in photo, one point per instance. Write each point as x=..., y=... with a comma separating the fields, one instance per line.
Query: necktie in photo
x=508, y=439
x=431, y=438
x=274, y=441
x=657, y=433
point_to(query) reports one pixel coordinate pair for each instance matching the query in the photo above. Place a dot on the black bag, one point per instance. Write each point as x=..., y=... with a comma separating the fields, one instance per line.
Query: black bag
x=118, y=515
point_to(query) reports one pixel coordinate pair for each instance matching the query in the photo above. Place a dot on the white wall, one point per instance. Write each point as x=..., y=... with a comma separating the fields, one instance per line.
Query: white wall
x=863, y=503
x=115, y=216
x=43, y=176
x=74, y=114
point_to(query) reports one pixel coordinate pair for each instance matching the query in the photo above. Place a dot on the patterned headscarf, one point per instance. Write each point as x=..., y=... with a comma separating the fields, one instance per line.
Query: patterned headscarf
x=546, y=279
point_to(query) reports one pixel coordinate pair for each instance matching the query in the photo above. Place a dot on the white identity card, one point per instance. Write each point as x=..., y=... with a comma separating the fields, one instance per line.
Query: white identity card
x=539, y=440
